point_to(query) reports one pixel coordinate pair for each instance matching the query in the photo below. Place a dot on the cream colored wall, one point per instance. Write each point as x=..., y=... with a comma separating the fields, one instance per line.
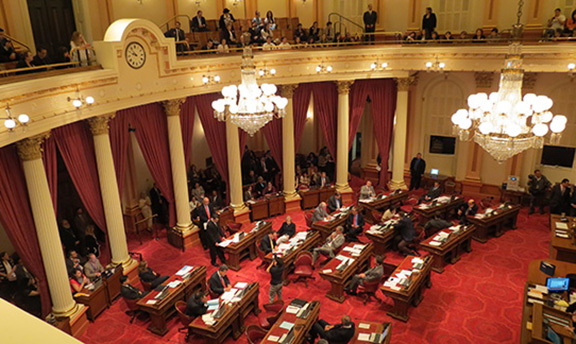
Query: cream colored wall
x=306, y=12
x=239, y=11
x=278, y=7
x=393, y=15
x=308, y=143
x=144, y=180
x=208, y=8
x=17, y=21
x=153, y=10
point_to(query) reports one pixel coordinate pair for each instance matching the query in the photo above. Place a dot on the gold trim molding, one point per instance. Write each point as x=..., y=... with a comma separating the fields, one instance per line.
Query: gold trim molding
x=172, y=106
x=344, y=86
x=31, y=148
x=99, y=124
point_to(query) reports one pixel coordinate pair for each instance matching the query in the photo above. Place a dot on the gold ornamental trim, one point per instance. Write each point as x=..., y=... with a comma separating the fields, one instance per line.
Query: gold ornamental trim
x=31, y=148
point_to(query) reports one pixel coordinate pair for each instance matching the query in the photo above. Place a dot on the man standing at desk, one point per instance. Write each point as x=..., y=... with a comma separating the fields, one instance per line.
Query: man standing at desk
x=560, y=198
x=417, y=169
x=433, y=193
x=354, y=225
x=219, y=282
x=205, y=213
x=320, y=213
x=538, y=184
x=367, y=191
x=333, y=242
x=371, y=275
x=268, y=242
x=335, y=202
x=339, y=333
x=214, y=236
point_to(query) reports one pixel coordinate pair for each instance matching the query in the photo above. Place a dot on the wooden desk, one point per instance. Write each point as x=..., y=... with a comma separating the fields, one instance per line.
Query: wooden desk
x=446, y=210
x=161, y=310
x=232, y=322
x=338, y=279
x=96, y=300
x=226, y=216
x=412, y=295
x=326, y=193
x=276, y=206
x=496, y=223
x=301, y=326
x=258, y=208
x=429, y=179
x=310, y=242
x=327, y=227
x=310, y=198
x=246, y=247
x=451, y=249
x=561, y=248
x=514, y=196
x=113, y=284
x=374, y=328
x=538, y=277
x=390, y=199
x=381, y=239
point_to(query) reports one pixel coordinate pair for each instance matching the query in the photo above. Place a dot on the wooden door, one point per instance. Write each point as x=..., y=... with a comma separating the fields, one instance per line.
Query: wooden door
x=52, y=23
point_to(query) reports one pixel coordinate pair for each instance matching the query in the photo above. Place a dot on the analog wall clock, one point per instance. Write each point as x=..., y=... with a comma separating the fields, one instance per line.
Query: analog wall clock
x=135, y=55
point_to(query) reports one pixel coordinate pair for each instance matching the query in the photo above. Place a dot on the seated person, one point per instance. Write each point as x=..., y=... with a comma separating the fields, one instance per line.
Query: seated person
x=93, y=268
x=219, y=282
x=198, y=23
x=78, y=281
x=196, y=305
x=354, y=225
x=373, y=274
x=248, y=194
x=320, y=213
x=341, y=333
x=304, y=180
x=468, y=209
x=74, y=261
x=405, y=234
x=333, y=242
x=209, y=47
x=268, y=242
x=389, y=213
x=148, y=275
x=367, y=191
x=270, y=190
x=216, y=200
x=436, y=224
x=260, y=186
x=130, y=292
x=335, y=202
x=198, y=191
x=323, y=181
x=433, y=193
x=287, y=231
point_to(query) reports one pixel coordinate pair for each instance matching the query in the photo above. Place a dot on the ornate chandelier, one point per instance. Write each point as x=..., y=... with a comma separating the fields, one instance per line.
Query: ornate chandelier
x=504, y=123
x=249, y=106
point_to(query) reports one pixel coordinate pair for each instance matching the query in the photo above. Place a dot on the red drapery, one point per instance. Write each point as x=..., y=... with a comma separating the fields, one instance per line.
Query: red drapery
x=326, y=108
x=17, y=221
x=300, y=103
x=273, y=133
x=76, y=147
x=152, y=135
x=215, y=132
x=187, y=122
x=50, y=159
x=359, y=92
x=119, y=137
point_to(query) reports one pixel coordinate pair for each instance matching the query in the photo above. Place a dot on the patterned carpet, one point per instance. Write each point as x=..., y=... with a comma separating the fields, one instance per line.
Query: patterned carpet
x=477, y=300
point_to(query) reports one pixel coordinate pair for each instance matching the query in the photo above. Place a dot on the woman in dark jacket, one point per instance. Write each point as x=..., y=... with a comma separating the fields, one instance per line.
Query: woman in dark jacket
x=429, y=22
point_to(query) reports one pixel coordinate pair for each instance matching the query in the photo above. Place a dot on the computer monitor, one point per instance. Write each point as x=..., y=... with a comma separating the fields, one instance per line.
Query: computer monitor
x=557, y=283
x=434, y=171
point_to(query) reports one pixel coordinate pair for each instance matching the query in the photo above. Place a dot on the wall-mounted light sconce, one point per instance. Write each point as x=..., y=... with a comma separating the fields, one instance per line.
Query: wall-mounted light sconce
x=571, y=67
x=139, y=1
x=210, y=79
x=265, y=72
x=10, y=122
x=322, y=68
x=80, y=101
x=377, y=65
x=435, y=66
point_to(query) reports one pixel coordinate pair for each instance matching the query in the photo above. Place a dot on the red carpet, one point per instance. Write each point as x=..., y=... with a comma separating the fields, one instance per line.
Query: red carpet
x=477, y=300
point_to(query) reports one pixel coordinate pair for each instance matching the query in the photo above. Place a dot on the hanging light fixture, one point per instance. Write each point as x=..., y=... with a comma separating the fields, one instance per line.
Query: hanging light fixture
x=10, y=122
x=435, y=66
x=248, y=105
x=80, y=100
x=377, y=65
x=504, y=123
x=208, y=79
x=265, y=72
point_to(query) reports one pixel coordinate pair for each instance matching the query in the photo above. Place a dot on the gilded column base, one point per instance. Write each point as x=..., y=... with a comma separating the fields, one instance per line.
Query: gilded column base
x=241, y=214
x=291, y=196
x=343, y=187
x=186, y=228
x=395, y=185
x=70, y=313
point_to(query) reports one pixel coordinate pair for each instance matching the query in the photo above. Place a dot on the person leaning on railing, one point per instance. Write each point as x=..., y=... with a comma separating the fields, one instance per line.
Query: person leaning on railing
x=26, y=62
x=7, y=52
x=80, y=49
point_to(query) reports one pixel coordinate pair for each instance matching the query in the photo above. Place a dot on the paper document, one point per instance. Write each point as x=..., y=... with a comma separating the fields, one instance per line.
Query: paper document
x=240, y=285
x=151, y=302
x=213, y=304
x=287, y=325
x=561, y=225
x=364, y=326
x=224, y=243
x=327, y=271
x=208, y=319
x=174, y=284
x=365, y=337
x=186, y=269
x=228, y=295
x=273, y=339
x=292, y=309
x=435, y=243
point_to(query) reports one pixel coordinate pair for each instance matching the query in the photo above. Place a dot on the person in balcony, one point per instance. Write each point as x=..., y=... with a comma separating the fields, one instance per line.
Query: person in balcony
x=429, y=23
x=80, y=49
x=26, y=62
x=314, y=32
x=225, y=19
x=7, y=52
x=199, y=23
x=479, y=36
x=269, y=20
x=223, y=47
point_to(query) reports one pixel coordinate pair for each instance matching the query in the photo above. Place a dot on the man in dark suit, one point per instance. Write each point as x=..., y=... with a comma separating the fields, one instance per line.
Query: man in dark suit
x=196, y=304
x=287, y=231
x=214, y=236
x=219, y=282
x=560, y=197
x=371, y=275
x=215, y=200
x=340, y=333
x=405, y=234
x=435, y=224
x=538, y=185
x=260, y=186
x=41, y=58
x=205, y=212
x=354, y=225
x=159, y=204
x=370, y=19
x=268, y=242
x=468, y=209
x=335, y=202
x=324, y=181
x=130, y=292
x=433, y=193
x=198, y=23
x=179, y=36
x=417, y=168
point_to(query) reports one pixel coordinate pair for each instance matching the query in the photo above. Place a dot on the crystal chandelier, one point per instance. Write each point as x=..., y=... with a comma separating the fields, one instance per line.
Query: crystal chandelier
x=504, y=123
x=249, y=106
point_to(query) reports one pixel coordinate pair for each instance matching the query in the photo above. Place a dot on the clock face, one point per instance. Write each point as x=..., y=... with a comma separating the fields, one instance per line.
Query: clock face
x=135, y=55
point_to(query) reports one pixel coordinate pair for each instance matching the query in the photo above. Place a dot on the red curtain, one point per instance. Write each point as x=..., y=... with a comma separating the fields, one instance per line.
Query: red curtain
x=119, y=137
x=50, y=159
x=187, y=122
x=17, y=221
x=76, y=147
x=326, y=108
x=215, y=132
x=359, y=92
x=300, y=103
x=273, y=133
x=383, y=96
x=152, y=135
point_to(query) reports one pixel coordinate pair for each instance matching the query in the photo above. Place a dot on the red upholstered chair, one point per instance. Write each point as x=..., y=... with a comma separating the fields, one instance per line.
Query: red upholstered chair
x=132, y=308
x=369, y=289
x=274, y=307
x=409, y=205
x=210, y=292
x=185, y=320
x=303, y=268
x=262, y=256
x=146, y=285
x=308, y=218
x=487, y=202
x=255, y=334
x=268, y=320
x=233, y=227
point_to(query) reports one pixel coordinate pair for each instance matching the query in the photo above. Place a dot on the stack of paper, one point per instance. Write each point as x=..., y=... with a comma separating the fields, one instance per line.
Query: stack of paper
x=174, y=284
x=240, y=285
x=443, y=199
x=292, y=309
x=213, y=304
x=208, y=319
x=364, y=326
x=287, y=325
x=364, y=337
x=561, y=225
x=423, y=206
x=224, y=243
x=228, y=295
x=183, y=271
x=416, y=260
x=435, y=243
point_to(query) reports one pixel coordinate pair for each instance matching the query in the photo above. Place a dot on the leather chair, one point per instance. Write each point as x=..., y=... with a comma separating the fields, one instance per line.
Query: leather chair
x=262, y=257
x=147, y=286
x=233, y=227
x=255, y=334
x=369, y=289
x=210, y=292
x=132, y=308
x=274, y=307
x=308, y=218
x=409, y=204
x=303, y=268
x=183, y=317
x=267, y=321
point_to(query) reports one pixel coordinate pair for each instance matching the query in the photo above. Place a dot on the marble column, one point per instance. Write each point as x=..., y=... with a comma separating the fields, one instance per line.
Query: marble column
x=342, y=137
x=400, y=133
x=109, y=189
x=30, y=152
x=292, y=198
x=178, y=164
x=241, y=212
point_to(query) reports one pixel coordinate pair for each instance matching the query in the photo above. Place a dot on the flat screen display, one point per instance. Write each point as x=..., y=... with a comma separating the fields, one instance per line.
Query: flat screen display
x=558, y=156
x=558, y=283
x=442, y=145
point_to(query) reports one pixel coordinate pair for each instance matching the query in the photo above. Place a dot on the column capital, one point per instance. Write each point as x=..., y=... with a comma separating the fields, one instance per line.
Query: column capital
x=99, y=124
x=31, y=148
x=172, y=106
x=344, y=86
x=404, y=83
x=288, y=90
